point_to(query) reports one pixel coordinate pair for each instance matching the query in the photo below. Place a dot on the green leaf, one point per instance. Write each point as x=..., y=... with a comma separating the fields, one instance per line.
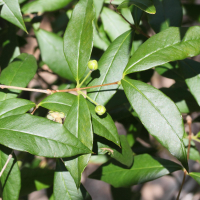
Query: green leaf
x=98, y=41
x=195, y=176
x=78, y=38
x=124, y=155
x=111, y=66
x=114, y=24
x=11, y=12
x=11, y=175
x=116, y=2
x=39, y=136
x=145, y=5
x=126, y=12
x=145, y=168
x=191, y=73
x=194, y=153
x=51, y=48
x=60, y=102
x=169, y=45
x=18, y=73
x=35, y=179
x=104, y=125
x=163, y=19
x=14, y=106
x=159, y=115
x=98, y=6
x=78, y=122
x=64, y=186
x=43, y=6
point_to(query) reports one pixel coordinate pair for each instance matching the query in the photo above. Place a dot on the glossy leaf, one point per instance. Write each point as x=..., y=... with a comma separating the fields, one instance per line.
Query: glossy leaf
x=78, y=39
x=104, y=125
x=169, y=45
x=124, y=155
x=43, y=6
x=111, y=66
x=163, y=19
x=78, y=122
x=159, y=115
x=18, y=73
x=114, y=24
x=39, y=136
x=35, y=179
x=191, y=73
x=11, y=12
x=14, y=106
x=145, y=5
x=60, y=102
x=64, y=186
x=145, y=168
x=11, y=175
x=51, y=47
x=195, y=176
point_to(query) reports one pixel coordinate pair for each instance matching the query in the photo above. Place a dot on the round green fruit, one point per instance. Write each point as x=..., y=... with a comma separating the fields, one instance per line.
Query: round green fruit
x=100, y=110
x=93, y=65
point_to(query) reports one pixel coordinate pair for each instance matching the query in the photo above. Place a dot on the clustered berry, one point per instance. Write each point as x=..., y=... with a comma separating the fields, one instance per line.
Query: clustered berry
x=100, y=110
x=93, y=65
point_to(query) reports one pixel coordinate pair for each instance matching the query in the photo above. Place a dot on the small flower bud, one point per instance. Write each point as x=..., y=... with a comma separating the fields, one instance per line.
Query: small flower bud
x=93, y=65
x=119, y=82
x=100, y=110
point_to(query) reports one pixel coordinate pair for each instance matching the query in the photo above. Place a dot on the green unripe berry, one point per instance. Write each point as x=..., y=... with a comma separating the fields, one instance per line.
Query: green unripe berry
x=100, y=110
x=93, y=65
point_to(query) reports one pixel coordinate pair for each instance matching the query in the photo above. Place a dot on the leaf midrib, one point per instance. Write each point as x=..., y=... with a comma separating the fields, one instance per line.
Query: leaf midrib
x=15, y=109
x=160, y=49
x=155, y=109
x=11, y=12
x=126, y=170
x=56, y=141
x=97, y=93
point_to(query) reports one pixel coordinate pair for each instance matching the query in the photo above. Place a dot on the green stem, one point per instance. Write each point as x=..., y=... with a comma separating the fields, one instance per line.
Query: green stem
x=195, y=138
x=85, y=78
x=94, y=102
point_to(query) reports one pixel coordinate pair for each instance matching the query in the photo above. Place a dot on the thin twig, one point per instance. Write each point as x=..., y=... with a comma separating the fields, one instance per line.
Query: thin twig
x=133, y=26
x=85, y=88
x=189, y=122
x=4, y=167
x=36, y=107
x=184, y=176
x=48, y=91
x=26, y=89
